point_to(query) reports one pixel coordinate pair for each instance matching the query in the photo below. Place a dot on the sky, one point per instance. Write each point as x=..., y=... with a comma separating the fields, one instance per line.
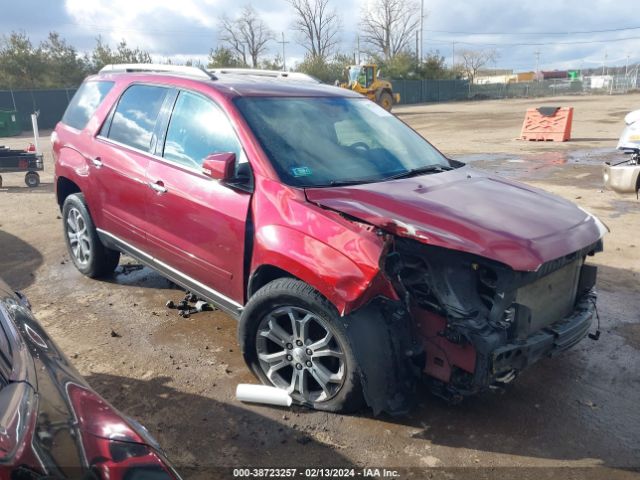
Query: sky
x=188, y=29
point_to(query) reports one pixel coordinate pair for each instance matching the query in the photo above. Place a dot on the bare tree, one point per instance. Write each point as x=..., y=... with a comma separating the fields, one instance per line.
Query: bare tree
x=474, y=60
x=389, y=26
x=318, y=25
x=247, y=35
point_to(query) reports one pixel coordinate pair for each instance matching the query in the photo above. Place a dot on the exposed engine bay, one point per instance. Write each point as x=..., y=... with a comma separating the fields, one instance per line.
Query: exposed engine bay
x=480, y=321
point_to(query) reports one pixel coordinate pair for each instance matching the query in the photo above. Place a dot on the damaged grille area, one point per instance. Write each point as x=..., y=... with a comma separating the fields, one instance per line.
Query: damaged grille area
x=461, y=301
x=551, y=297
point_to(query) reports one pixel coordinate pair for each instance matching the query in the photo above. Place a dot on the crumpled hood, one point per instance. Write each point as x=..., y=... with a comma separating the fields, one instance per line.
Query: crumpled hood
x=467, y=210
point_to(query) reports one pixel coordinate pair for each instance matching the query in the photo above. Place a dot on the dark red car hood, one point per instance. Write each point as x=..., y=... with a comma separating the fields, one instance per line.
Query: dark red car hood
x=467, y=210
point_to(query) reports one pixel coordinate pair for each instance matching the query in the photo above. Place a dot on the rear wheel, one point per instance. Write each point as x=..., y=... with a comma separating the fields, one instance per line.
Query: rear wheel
x=87, y=252
x=32, y=179
x=385, y=101
x=292, y=338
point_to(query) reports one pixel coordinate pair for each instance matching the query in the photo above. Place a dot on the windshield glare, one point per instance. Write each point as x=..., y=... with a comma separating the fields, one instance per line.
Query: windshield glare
x=353, y=74
x=326, y=141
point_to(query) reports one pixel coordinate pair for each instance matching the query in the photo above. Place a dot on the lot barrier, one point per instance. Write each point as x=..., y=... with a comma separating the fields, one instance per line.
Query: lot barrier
x=547, y=124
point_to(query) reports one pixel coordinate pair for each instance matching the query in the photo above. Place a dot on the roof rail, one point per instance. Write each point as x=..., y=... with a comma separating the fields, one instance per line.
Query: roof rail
x=153, y=67
x=302, y=77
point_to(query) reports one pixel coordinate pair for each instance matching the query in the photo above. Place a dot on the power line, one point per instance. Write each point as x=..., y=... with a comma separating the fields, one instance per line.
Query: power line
x=576, y=32
x=536, y=44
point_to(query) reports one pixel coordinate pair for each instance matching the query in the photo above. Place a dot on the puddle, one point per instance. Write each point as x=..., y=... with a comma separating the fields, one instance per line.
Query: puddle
x=537, y=165
x=131, y=274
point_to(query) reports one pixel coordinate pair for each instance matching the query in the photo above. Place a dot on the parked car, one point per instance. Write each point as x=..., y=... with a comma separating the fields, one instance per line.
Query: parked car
x=355, y=255
x=52, y=424
x=624, y=176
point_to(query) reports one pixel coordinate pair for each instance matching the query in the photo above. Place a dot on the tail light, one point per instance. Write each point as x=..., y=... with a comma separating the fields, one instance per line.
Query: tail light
x=113, y=447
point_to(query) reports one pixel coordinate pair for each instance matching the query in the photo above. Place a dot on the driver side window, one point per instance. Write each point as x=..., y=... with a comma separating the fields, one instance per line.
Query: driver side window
x=198, y=128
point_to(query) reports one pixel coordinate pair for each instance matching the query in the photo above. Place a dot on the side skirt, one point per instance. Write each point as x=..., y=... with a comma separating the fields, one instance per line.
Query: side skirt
x=216, y=298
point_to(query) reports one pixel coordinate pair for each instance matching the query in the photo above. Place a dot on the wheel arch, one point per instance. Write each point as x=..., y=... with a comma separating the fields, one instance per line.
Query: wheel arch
x=265, y=274
x=284, y=252
x=64, y=188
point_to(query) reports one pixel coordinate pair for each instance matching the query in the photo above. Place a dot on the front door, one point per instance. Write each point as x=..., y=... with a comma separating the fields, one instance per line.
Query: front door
x=197, y=225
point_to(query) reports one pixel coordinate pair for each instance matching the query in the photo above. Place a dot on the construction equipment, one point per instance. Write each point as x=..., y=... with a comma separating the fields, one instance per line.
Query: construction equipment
x=365, y=79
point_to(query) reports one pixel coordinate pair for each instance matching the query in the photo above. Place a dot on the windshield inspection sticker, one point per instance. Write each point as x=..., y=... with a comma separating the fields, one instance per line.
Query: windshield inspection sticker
x=301, y=171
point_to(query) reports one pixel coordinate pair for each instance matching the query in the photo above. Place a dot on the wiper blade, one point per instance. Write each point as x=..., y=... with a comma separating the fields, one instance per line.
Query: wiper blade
x=342, y=183
x=421, y=170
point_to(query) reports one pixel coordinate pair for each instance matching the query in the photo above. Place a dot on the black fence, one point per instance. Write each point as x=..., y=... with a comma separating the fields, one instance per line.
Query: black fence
x=429, y=91
x=426, y=91
x=50, y=103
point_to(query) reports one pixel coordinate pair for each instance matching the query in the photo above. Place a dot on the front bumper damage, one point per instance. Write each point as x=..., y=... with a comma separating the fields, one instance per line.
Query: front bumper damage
x=466, y=323
x=548, y=342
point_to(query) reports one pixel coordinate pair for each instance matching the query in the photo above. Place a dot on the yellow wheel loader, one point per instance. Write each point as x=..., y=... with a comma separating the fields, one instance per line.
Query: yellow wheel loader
x=364, y=79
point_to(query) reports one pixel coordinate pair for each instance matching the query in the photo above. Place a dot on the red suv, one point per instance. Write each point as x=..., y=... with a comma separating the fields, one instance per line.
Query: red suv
x=356, y=256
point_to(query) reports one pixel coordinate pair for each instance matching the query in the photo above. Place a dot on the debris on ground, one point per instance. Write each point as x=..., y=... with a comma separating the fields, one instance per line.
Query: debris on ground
x=115, y=334
x=263, y=394
x=126, y=269
x=189, y=305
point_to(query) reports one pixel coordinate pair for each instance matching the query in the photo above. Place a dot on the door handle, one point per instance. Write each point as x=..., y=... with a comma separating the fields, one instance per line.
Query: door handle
x=158, y=186
x=97, y=162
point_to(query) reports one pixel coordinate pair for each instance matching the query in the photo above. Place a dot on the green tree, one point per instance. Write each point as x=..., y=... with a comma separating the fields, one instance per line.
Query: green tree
x=274, y=63
x=433, y=67
x=405, y=65
x=103, y=54
x=64, y=67
x=21, y=64
x=223, y=57
x=326, y=70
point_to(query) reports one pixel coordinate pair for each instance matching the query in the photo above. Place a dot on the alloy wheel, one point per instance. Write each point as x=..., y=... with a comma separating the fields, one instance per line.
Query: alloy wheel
x=78, y=235
x=298, y=351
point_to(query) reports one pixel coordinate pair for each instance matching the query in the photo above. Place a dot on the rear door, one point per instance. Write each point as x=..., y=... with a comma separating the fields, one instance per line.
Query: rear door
x=124, y=146
x=197, y=224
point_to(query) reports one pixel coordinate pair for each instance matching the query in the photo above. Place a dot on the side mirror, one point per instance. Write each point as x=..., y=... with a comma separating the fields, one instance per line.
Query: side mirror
x=219, y=166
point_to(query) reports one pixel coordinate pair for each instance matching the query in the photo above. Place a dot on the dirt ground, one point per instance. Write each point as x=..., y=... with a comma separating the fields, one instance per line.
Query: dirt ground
x=178, y=376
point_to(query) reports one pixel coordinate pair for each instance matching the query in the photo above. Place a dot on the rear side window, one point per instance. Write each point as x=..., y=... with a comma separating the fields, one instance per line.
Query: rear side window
x=136, y=114
x=197, y=129
x=85, y=103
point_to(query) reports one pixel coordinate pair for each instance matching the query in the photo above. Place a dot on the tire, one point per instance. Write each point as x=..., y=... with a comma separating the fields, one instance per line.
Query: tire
x=86, y=250
x=263, y=345
x=385, y=100
x=32, y=179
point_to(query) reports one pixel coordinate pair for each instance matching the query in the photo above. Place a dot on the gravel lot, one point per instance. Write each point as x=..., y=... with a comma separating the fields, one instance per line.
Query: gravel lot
x=178, y=376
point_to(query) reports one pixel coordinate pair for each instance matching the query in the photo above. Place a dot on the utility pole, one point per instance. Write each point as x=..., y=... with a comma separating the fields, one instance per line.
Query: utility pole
x=626, y=67
x=421, y=29
x=358, y=43
x=418, y=46
x=604, y=65
x=537, y=54
x=284, y=60
x=453, y=55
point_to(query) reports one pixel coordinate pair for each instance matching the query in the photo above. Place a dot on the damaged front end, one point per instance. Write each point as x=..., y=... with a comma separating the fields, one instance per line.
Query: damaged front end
x=481, y=322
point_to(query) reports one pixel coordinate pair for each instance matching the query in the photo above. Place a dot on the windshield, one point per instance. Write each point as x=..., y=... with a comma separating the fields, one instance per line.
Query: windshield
x=353, y=74
x=328, y=141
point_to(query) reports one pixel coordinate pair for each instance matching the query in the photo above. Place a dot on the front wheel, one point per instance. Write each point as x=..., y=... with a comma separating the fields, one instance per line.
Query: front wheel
x=292, y=338
x=386, y=101
x=88, y=253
